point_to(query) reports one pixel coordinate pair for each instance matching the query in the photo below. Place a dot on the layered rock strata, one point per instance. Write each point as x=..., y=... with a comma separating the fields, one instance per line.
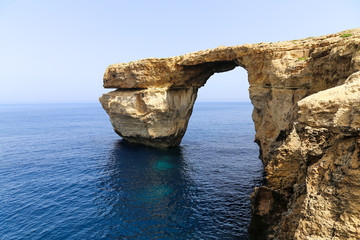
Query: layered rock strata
x=156, y=117
x=306, y=96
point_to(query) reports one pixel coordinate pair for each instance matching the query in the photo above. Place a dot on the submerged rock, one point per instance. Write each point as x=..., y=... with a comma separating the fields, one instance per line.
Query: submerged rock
x=306, y=98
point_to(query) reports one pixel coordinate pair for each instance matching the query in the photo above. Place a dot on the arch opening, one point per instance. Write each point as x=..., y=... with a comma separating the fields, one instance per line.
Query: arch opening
x=230, y=86
x=220, y=148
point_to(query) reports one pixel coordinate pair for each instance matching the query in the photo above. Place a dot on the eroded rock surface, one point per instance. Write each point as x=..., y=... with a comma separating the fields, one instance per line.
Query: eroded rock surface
x=306, y=101
x=157, y=117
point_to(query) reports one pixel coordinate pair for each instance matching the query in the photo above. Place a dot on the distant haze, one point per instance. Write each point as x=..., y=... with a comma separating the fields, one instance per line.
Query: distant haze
x=57, y=51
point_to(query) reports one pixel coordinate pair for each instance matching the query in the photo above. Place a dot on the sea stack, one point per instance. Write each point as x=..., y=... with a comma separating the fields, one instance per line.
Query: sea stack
x=306, y=98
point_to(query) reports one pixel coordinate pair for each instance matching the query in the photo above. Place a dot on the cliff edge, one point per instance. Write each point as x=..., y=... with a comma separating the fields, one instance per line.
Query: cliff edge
x=306, y=97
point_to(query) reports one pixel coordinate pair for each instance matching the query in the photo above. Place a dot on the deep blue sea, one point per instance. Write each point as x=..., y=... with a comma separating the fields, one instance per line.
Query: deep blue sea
x=65, y=174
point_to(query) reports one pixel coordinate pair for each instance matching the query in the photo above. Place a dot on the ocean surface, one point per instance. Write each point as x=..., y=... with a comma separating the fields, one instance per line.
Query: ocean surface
x=64, y=174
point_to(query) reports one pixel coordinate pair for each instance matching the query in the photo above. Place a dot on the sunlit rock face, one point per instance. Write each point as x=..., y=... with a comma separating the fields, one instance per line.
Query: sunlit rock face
x=154, y=117
x=306, y=98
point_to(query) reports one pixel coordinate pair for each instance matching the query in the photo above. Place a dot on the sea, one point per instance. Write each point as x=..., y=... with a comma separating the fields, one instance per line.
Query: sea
x=65, y=174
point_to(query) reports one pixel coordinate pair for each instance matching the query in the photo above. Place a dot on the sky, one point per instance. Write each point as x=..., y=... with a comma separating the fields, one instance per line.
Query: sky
x=57, y=51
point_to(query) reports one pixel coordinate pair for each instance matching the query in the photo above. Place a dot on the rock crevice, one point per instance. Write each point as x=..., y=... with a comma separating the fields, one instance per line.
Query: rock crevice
x=306, y=98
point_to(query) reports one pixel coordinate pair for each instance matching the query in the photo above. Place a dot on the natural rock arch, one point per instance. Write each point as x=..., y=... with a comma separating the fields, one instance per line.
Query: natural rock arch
x=299, y=127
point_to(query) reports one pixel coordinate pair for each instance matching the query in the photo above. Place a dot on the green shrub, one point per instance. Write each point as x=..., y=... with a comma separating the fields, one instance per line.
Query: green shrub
x=345, y=35
x=302, y=59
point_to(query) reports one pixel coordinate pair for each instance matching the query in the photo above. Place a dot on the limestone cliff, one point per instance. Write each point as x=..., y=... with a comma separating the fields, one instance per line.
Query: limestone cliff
x=157, y=117
x=306, y=97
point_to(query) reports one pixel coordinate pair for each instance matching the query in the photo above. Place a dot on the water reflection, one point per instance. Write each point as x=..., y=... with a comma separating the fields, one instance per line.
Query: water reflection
x=143, y=194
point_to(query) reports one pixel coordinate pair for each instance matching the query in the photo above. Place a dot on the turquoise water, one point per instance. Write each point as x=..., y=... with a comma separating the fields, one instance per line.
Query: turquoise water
x=64, y=174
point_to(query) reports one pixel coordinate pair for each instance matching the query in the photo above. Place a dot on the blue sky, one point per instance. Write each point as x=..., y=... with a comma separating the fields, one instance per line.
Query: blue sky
x=57, y=51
